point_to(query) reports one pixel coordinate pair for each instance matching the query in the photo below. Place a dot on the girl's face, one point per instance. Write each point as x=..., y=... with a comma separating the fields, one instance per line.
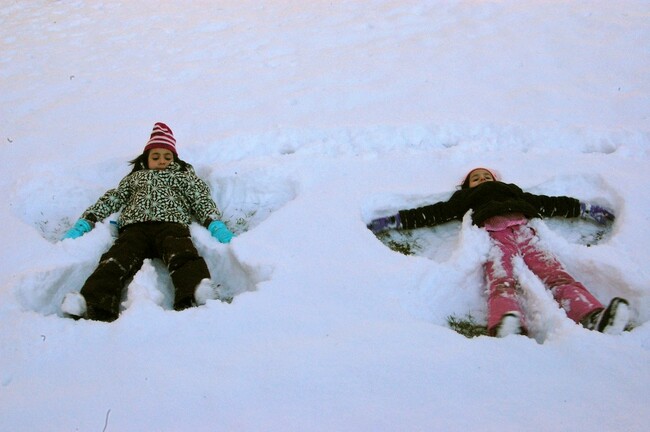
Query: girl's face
x=479, y=176
x=160, y=158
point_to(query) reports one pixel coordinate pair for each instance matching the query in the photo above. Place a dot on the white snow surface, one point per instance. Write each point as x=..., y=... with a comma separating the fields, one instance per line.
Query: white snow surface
x=308, y=119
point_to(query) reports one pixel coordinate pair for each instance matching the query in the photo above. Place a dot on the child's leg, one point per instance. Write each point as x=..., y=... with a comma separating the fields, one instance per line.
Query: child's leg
x=572, y=296
x=103, y=289
x=186, y=267
x=501, y=284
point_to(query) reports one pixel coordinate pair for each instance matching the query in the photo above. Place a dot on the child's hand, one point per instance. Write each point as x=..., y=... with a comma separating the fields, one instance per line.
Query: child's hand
x=219, y=231
x=596, y=213
x=385, y=223
x=81, y=227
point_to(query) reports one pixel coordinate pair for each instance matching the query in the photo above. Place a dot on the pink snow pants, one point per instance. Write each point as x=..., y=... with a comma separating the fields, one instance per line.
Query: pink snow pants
x=521, y=240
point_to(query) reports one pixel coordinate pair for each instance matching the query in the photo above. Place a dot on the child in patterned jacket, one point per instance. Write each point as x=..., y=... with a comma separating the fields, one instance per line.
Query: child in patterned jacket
x=503, y=210
x=157, y=201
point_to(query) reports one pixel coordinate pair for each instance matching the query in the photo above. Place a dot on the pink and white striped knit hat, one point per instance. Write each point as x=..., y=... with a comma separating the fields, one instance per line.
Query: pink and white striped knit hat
x=161, y=137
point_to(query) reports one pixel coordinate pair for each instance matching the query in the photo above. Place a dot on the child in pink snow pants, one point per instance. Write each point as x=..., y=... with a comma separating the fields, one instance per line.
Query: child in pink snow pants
x=503, y=210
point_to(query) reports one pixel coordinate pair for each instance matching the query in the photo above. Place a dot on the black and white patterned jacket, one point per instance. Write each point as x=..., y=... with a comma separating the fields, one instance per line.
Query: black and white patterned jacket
x=174, y=194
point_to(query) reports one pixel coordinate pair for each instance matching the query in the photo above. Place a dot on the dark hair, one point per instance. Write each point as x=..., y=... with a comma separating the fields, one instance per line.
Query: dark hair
x=465, y=183
x=142, y=162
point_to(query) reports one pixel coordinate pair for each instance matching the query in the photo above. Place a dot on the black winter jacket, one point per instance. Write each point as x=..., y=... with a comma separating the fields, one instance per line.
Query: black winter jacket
x=486, y=200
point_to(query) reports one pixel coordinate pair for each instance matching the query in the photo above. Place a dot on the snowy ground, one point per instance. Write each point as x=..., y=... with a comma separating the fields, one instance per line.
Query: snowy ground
x=308, y=119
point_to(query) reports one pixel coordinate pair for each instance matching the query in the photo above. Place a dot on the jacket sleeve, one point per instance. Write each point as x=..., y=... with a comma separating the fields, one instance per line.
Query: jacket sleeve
x=554, y=206
x=202, y=205
x=434, y=214
x=112, y=201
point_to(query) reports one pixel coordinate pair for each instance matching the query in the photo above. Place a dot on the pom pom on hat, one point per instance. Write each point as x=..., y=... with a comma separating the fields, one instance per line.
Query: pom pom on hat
x=161, y=137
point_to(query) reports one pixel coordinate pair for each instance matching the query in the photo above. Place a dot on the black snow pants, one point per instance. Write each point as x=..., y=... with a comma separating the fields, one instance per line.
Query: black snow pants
x=168, y=241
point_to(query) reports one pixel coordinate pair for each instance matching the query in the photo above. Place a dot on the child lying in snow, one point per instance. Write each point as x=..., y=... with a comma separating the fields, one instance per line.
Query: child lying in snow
x=503, y=210
x=157, y=199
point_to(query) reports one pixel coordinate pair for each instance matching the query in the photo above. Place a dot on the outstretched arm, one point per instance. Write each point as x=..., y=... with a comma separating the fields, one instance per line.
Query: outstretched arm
x=562, y=206
x=112, y=201
x=426, y=216
x=206, y=210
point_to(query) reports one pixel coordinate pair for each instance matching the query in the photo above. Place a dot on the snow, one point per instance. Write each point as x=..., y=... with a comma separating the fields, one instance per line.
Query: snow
x=308, y=119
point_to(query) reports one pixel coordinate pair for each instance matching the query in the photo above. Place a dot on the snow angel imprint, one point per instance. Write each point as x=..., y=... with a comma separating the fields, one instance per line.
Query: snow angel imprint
x=503, y=210
x=157, y=201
